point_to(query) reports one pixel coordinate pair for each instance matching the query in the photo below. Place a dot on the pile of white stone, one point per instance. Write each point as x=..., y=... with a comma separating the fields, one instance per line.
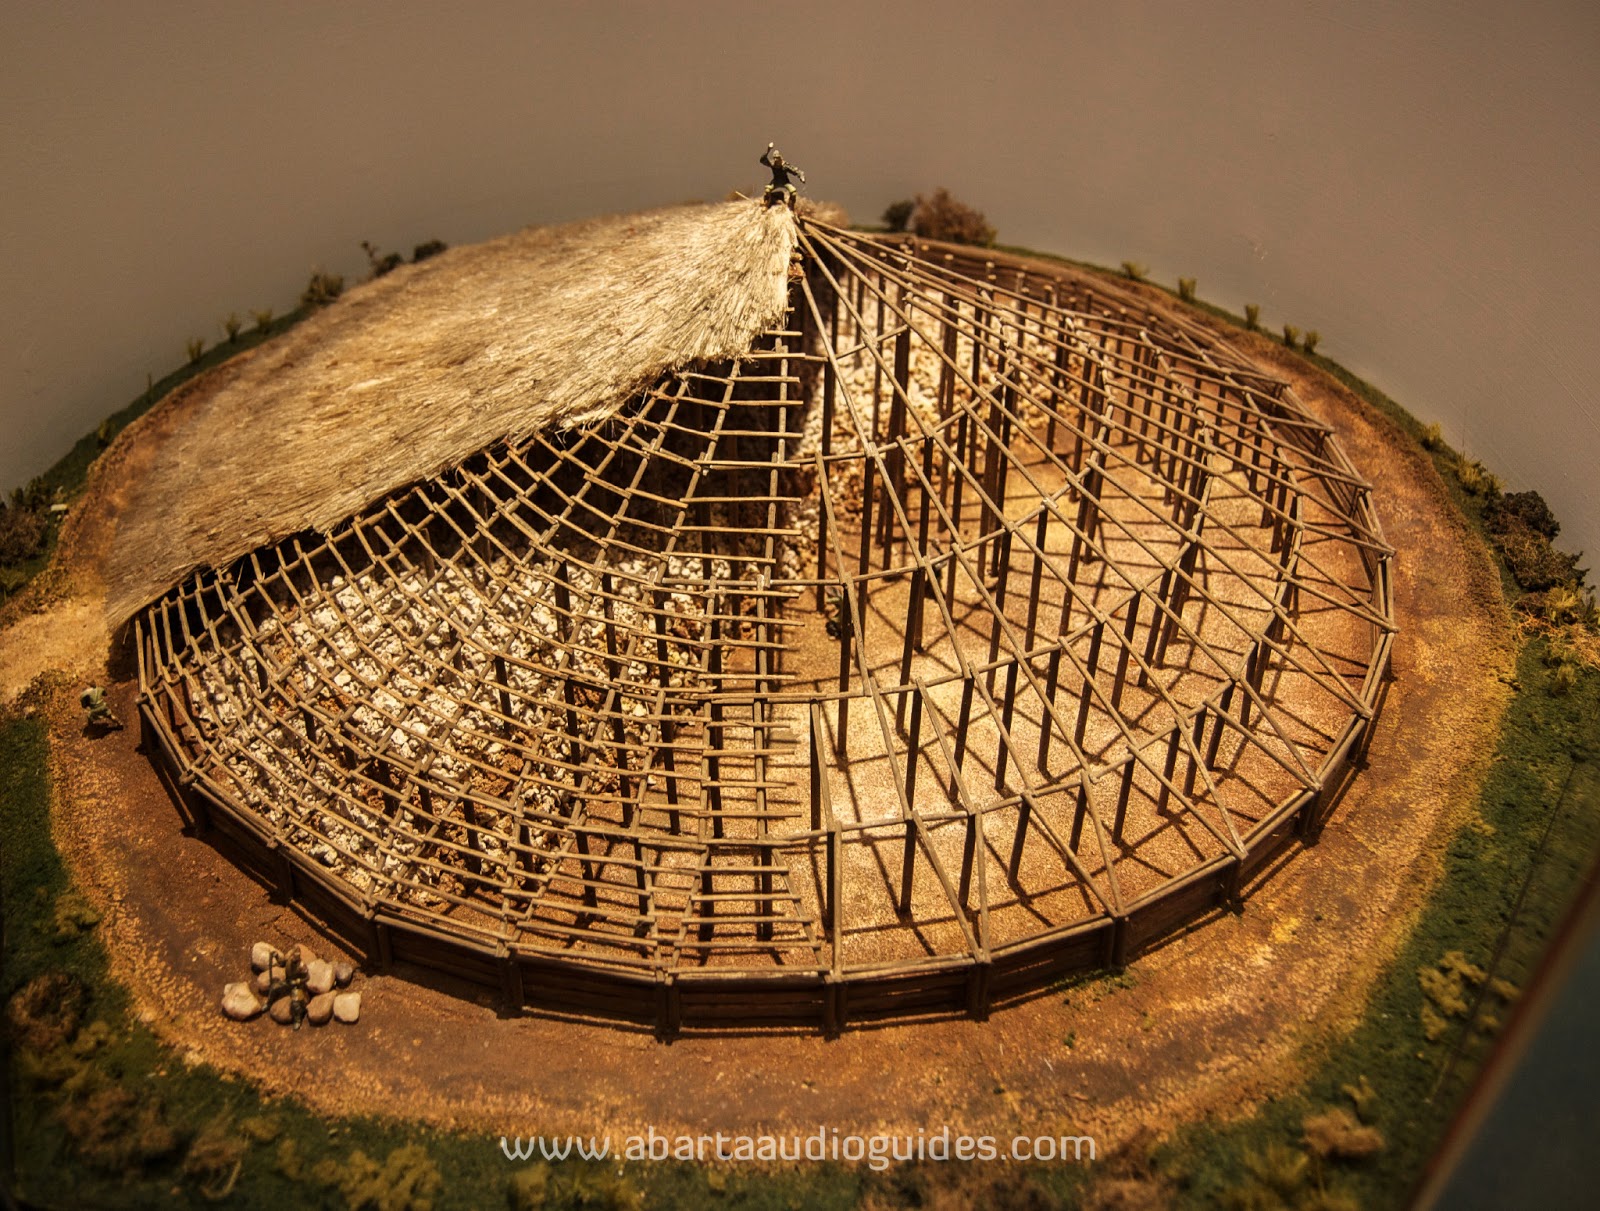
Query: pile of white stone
x=319, y=993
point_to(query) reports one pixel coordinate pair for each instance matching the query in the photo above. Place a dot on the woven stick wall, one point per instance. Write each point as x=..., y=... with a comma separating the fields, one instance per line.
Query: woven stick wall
x=982, y=626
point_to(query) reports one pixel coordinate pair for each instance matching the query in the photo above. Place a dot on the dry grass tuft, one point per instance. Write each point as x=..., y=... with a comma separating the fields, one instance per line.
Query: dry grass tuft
x=830, y=213
x=1338, y=1134
x=412, y=373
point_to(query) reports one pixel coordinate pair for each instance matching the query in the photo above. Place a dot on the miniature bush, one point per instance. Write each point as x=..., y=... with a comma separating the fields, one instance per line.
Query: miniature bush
x=196, y=350
x=1561, y=606
x=1134, y=271
x=407, y=1180
x=1291, y=335
x=1522, y=526
x=321, y=289
x=1447, y=992
x=1338, y=1134
x=1186, y=289
x=1280, y=1168
x=574, y=1186
x=1521, y=510
x=1564, y=678
x=22, y=533
x=1477, y=479
x=113, y=1128
x=33, y=496
x=1536, y=565
x=231, y=326
x=1363, y=1096
x=46, y=1011
x=1252, y=316
x=1433, y=436
x=897, y=214
x=214, y=1158
x=262, y=318
x=427, y=249
x=1310, y=340
x=381, y=265
x=940, y=217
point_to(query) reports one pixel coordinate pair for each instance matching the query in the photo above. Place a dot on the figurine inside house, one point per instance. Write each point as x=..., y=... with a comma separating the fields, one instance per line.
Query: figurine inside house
x=781, y=188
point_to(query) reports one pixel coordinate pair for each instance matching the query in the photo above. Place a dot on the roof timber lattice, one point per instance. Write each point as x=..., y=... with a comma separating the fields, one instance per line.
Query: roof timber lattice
x=982, y=625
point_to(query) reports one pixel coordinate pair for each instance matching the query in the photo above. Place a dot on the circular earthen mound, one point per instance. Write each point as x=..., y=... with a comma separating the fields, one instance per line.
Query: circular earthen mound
x=981, y=626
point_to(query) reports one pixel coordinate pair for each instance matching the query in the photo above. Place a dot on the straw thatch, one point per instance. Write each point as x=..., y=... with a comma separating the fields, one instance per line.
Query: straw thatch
x=415, y=371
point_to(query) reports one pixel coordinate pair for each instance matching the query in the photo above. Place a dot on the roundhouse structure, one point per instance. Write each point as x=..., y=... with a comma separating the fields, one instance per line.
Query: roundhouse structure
x=983, y=625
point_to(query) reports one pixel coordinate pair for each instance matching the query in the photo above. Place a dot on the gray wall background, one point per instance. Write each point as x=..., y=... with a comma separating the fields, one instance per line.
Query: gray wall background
x=1416, y=182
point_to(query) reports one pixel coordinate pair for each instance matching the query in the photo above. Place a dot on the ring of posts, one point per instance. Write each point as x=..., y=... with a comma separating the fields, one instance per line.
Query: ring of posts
x=984, y=626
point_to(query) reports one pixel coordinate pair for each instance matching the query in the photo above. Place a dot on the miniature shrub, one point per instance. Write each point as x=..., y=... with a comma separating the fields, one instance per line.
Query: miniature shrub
x=1363, y=1096
x=940, y=217
x=1310, y=340
x=1521, y=510
x=321, y=289
x=1338, y=1134
x=46, y=1011
x=1278, y=1167
x=1186, y=289
x=1562, y=605
x=897, y=214
x=594, y=1188
x=22, y=533
x=1536, y=565
x=1563, y=679
x=1522, y=526
x=427, y=249
x=34, y=496
x=1291, y=335
x=111, y=1127
x=407, y=1180
x=262, y=317
x=215, y=1157
x=196, y=350
x=231, y=326
x=1476, y=479
x=1252, y=316
x=1433, y=436
x=1448, y=992
x=381, y=265
x=1134, y=271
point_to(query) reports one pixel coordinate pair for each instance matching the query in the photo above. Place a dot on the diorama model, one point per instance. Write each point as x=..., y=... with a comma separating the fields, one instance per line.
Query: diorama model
x=957, y=624
x=602, y=671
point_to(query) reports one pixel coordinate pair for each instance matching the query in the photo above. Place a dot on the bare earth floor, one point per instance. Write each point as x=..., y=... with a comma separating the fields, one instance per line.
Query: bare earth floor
x=1209, y=1024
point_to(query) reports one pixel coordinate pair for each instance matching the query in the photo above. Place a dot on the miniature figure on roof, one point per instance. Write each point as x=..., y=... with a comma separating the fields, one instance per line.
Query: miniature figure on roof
x=782, y=187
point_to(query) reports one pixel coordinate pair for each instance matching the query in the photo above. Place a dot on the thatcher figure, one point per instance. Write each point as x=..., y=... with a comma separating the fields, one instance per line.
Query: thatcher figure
x=93, y=700
x=782, y=188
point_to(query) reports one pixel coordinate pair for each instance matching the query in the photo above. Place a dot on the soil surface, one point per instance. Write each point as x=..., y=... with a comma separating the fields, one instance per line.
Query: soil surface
x=1212, y=1022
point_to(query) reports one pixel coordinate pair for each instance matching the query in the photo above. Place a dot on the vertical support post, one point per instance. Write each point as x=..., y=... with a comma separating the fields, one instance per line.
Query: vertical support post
x=1123, y=790
x=1087, y=693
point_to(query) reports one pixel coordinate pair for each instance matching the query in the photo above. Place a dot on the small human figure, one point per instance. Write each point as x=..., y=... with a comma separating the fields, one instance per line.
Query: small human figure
x=837, y=612
x=782, y=187
x=93, y=700
x=296, y=976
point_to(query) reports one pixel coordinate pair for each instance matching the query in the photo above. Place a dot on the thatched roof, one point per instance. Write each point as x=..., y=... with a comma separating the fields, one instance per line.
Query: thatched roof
x=412, y=373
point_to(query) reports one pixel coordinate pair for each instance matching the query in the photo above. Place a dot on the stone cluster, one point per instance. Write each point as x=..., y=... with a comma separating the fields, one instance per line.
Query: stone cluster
x=294, y=987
